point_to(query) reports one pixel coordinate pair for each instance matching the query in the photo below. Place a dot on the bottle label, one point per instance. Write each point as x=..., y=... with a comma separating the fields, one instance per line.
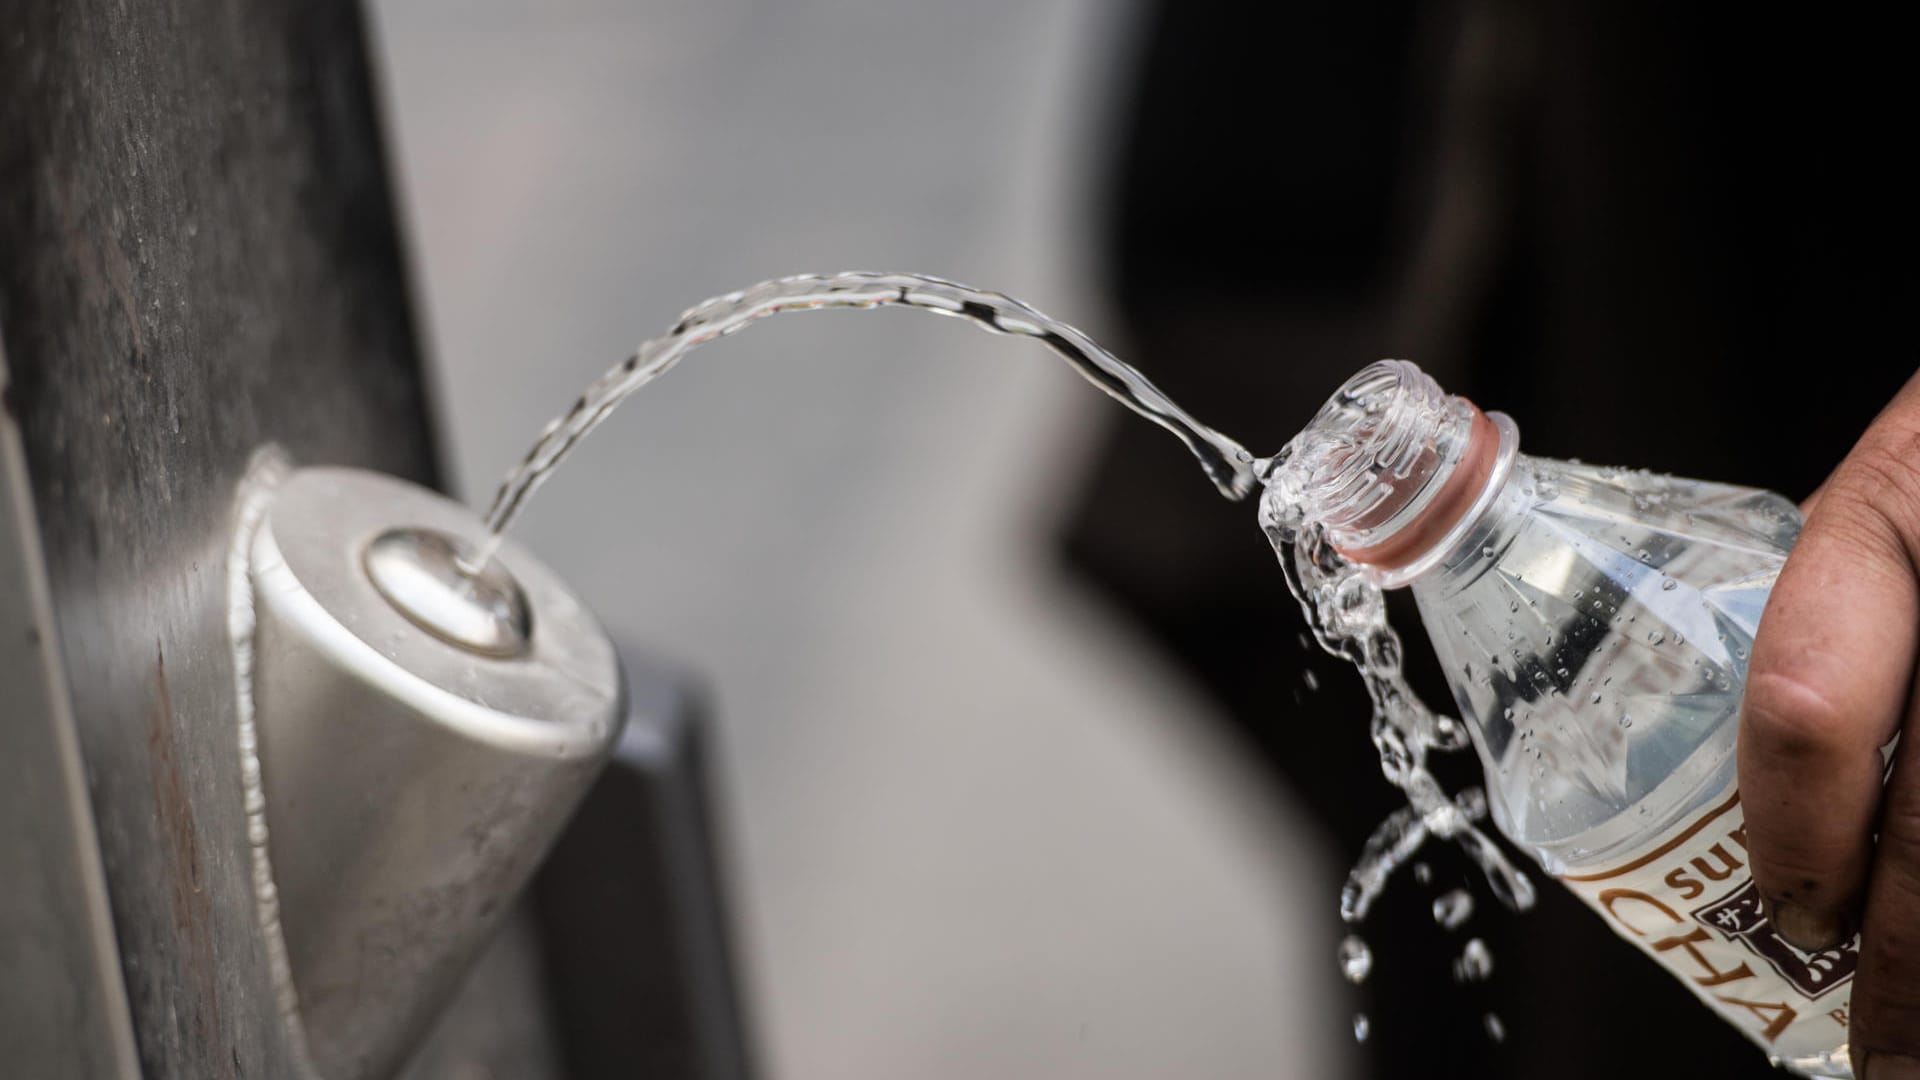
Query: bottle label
x=1688, y=901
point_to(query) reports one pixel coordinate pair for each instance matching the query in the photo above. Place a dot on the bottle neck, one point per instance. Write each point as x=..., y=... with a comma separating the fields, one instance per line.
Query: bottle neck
x=1395, y=470
x=1457, y=487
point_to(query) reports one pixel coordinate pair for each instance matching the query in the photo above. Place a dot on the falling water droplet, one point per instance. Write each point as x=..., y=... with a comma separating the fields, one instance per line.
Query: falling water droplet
x=1348, y=615
x=1474, y=963
x=1361, y=1027
x=1312, y=680
x=1496, y=1030
x=1356, y=960
x=1423, y=873
x=1452, y=909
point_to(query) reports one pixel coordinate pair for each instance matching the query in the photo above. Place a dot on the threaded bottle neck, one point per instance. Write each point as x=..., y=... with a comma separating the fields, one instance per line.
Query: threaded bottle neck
x=1389, y=464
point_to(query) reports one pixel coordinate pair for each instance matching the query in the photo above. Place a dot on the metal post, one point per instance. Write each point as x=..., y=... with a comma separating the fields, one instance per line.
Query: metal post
x=197, y=256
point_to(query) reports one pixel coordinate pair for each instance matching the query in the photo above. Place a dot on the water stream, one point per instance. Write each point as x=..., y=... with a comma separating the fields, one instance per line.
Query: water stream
x=1234, y=470
x=1346, y=613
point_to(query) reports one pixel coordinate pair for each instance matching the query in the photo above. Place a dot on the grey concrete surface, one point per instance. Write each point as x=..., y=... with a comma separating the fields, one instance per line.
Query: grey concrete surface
x=976, y=828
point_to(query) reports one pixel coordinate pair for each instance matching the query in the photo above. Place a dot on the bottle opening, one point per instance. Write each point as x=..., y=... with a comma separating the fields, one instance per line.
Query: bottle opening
x=1390, y=464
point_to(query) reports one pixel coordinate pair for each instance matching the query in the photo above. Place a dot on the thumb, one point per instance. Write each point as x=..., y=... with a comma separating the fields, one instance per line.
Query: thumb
x=1829, y=683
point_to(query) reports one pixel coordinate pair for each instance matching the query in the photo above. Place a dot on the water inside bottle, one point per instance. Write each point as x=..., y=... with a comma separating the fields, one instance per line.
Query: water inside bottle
x=1598, y=625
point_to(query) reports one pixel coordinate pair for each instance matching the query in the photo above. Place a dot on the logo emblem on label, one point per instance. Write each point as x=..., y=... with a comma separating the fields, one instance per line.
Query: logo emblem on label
x=1737, y=917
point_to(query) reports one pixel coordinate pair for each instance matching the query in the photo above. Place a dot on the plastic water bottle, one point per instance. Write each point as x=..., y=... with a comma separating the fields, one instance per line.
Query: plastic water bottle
x=1595, y=625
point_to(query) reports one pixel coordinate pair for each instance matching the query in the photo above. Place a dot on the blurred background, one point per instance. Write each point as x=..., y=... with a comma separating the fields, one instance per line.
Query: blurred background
x=1021, y=772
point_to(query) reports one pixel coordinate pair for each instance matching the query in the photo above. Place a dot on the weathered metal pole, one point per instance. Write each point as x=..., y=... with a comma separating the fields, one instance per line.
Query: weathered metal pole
x=197, y=256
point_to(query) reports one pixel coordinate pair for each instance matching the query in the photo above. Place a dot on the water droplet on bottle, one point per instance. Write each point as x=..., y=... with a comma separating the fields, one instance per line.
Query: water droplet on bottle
x=1487, y=551
x=1474, y=963
x=1596, y=699
x=1356, y=960
x=1496, y=1030
x=1668, y=585
x=1452, y=909
x=1626, y=721
x=1656, y=637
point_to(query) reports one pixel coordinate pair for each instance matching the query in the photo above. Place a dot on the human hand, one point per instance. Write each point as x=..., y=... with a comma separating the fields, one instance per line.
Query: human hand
x=1831, y=682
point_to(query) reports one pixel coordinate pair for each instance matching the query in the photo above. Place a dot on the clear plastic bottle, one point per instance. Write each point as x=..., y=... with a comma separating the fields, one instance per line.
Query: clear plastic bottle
x=1595, y=625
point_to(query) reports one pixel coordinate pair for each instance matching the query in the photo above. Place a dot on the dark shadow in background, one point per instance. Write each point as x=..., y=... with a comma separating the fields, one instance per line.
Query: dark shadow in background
x=1654, y=236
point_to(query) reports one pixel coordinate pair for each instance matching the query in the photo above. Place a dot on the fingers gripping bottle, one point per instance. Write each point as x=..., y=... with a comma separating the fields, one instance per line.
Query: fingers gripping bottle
x=1595, y=625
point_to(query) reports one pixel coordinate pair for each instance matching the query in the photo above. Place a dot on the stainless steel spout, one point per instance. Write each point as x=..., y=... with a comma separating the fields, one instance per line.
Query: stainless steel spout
x=422, y=739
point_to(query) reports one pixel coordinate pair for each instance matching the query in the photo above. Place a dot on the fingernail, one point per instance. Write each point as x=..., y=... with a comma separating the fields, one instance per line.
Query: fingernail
x=1804, y=928
x=1891, y=1067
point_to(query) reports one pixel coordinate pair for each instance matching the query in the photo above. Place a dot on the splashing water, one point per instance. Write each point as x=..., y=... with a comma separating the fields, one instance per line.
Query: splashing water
x=1347, y=615
x=1233, y=470
x=1356, y=960
x=1452, y=909
x=1475, y=962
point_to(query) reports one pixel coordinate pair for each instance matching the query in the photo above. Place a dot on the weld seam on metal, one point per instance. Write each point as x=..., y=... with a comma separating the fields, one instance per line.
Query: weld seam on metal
x=267, y=469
